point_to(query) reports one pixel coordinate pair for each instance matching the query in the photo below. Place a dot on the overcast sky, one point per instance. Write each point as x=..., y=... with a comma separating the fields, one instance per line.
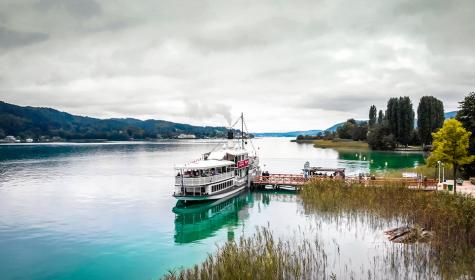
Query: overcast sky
x=288, y=65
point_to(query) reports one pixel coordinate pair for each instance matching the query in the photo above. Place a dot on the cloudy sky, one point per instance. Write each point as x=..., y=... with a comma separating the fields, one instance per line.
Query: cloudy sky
x=288, y=65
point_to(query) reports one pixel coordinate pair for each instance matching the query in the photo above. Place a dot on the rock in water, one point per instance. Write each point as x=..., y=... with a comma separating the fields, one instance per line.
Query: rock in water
x=409, y=234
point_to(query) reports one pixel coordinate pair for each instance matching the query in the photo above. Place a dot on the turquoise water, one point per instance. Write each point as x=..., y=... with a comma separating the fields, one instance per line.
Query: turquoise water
x=89, y=211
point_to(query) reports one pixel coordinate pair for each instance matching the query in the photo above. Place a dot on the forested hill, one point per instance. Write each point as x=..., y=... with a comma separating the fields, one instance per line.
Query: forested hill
x=35, y=122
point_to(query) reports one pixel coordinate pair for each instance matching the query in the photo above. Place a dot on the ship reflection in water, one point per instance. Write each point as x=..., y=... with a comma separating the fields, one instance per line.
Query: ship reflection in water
x=199, y=221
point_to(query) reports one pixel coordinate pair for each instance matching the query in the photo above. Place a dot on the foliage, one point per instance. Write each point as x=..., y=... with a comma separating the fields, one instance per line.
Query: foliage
x=372, y=115
x=380, y=117
x=450, y=217
x=451, y=146
x=352, y=129
x=380, y=138
x=430, y=117
x=303, y=138
x=400, y=118
x=466, y=115
x=37, y=122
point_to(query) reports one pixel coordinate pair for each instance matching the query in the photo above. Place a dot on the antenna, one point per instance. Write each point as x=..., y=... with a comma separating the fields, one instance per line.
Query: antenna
x=242, y=130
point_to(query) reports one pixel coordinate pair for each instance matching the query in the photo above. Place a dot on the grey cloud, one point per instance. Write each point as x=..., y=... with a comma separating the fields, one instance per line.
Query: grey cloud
x=195, y=108
x=342, y=102
x=81, y=9
x=12, y=38
x=209, y=60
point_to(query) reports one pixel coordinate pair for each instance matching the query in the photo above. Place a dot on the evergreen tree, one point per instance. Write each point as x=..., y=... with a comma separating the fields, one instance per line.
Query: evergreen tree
x=430, y=117
x=466, y=115
x=400, y=118
x=451, y=146
x=380, y=117
x=406, y=120
x=392, y=116
x=372, y=115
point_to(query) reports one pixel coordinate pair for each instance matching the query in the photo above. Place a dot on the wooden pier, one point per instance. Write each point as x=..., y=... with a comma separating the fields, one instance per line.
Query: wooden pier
x=277, y=181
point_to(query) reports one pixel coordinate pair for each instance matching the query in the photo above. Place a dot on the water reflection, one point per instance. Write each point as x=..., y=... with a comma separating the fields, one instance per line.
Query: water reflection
x=379, y=161
x=197, y=222
x=200, y=221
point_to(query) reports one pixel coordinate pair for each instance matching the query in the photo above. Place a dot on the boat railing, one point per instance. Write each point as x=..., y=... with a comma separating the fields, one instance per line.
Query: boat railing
x=198, y=181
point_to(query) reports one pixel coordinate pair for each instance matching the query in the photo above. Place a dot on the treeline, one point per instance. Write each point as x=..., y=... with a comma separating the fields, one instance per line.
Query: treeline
x=466, y=115
x=394, y=127
x=36, y=123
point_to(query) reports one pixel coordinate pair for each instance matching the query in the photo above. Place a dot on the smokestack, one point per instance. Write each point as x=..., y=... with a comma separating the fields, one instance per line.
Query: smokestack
x=230, y=135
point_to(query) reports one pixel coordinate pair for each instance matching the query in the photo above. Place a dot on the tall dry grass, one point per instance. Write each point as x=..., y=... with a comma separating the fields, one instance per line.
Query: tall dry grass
x=260, y=256
x=449, y=255
x=450, y=217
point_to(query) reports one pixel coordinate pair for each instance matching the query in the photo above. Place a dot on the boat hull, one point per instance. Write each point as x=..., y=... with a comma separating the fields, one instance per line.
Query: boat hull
x=189, y=198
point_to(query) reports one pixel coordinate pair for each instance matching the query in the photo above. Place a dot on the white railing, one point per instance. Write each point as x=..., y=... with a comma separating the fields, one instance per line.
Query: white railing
x=199, y=181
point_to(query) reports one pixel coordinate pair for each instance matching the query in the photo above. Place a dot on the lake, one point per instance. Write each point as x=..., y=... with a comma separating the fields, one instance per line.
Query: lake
x=90, y=211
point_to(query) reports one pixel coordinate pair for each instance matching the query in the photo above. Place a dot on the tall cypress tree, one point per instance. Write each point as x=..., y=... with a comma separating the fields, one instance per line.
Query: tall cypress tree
x=400, y=118
x=466, y=115
x=405, y=120
x=372, y=115
x=392, y=116
x=380, y=117
x=430, y=117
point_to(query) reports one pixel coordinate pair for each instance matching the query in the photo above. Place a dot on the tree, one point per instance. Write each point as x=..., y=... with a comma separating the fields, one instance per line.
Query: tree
x=380, y=138
x=451, y=146
x=400, y=118
x=352, y=129
x=466, y=115
x=372, y=115
x=430, y=117
x=380, y=117
x=392, y=115
x=406, y=120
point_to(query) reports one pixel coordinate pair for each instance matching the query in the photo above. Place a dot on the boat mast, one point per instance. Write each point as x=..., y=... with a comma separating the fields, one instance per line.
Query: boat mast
x=242, y=130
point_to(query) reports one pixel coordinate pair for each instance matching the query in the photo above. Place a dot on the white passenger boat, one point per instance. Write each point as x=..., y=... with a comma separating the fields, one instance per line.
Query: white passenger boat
x=218, y=174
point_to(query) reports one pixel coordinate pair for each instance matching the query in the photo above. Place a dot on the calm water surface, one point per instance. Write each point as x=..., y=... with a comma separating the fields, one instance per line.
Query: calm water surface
x=89, y=211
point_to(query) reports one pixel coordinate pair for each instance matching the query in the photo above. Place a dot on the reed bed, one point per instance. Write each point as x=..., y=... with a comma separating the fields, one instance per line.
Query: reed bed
x=450, y=254
x=450, y=217
x=260, y=256
x=341, y=144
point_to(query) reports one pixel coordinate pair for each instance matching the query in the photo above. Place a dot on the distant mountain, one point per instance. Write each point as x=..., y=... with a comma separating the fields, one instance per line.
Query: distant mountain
x=334, y=127
x=35, y=122
x=450, y=115
x=287, y=134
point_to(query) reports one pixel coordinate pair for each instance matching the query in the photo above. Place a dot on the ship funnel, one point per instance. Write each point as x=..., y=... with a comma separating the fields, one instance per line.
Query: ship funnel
x=230, y=135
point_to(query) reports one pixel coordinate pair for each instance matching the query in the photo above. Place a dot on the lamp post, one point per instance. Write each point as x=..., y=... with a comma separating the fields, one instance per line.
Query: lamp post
x=443, y=172
x=438, y=174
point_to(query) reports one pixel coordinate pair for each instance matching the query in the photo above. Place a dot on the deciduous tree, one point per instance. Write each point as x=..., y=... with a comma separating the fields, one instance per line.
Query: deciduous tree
x=451, y=146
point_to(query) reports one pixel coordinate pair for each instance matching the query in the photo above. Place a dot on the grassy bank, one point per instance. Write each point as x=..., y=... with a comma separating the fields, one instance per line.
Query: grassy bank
x=341, y=144
x=450, y=217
